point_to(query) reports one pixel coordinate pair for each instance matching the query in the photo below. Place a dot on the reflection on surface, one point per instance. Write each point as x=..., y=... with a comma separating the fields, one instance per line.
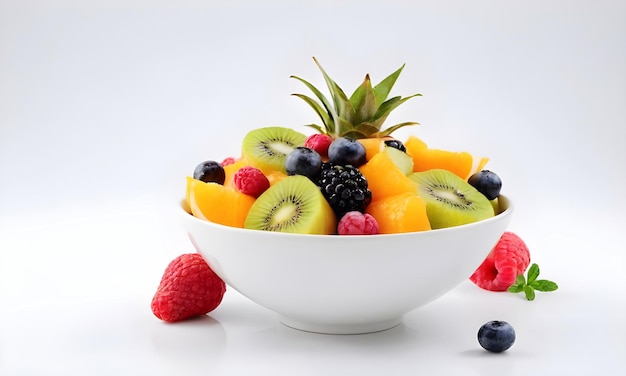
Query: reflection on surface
x=199, y=343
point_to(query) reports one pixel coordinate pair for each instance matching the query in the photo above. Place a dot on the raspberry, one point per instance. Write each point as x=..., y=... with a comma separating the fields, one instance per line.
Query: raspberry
x=320, y=143
x=188, y=288
x=228, y=161
x=251, y=181
x=508, y=259
x=357, y=223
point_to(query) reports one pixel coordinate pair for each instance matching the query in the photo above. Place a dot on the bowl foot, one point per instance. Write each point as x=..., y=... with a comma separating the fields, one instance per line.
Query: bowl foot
x=327, y=328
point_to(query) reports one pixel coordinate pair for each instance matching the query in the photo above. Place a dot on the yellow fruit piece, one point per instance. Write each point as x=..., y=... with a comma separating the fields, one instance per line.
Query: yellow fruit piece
x=425, y=158
x=187, y=202
x=229, y=171
x=384, y=178
x=275, y=176
x=217, y=203
x=405, y=212
x=373, y=146
x=479, y=166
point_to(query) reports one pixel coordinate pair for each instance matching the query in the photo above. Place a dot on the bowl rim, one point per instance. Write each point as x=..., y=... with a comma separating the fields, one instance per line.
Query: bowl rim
x=501, y=198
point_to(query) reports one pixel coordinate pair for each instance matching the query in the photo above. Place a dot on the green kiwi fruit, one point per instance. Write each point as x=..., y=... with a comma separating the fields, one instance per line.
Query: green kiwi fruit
x=450, y=200
x=496, y=205
x=267, y=148
x=294, y=204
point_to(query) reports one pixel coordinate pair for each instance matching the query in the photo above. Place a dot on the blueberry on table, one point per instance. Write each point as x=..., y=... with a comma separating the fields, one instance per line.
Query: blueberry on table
x=210, y=172
x=496, y=336
x=486, y=182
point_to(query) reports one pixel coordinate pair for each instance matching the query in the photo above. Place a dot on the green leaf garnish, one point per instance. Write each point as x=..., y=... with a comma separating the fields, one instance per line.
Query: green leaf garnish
x=530, y=283
x=532, y=274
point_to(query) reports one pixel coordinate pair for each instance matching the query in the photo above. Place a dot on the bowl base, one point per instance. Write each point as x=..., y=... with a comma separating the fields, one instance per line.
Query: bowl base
x=325, y=328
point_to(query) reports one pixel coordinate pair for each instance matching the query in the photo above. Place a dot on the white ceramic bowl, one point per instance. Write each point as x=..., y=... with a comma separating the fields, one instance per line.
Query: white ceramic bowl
x=345, y=284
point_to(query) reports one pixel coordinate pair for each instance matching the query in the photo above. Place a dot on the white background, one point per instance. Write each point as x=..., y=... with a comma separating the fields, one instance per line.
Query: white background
x=106, y=107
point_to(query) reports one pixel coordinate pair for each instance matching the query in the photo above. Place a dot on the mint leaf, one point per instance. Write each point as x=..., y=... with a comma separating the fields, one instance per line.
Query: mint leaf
x=544, y=285
x=519, y=284
x=533, y=273
x=529, y=292
x=530, y=284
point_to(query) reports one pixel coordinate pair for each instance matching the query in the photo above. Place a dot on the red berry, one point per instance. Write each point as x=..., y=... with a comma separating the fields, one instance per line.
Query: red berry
x=251, y=181
x=320, y=143
x=357, y=223
x=228, y=161
x=508, y=259
x=188, y=288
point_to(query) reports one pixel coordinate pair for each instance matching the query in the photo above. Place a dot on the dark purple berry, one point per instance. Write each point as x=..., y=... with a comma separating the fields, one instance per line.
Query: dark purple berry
x=496, y=336
x=303, y=161
x=210, y=172
x=346, y=151
x=487, y=183
x=397, y=144
x=345, y=188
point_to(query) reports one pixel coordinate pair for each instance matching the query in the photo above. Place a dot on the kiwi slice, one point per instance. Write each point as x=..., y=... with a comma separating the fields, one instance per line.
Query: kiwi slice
x=294, y=204
x=267, y=148
x=450, y=200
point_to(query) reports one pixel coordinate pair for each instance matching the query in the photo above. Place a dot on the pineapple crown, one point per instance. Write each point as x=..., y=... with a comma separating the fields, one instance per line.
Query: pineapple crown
x=360, y=116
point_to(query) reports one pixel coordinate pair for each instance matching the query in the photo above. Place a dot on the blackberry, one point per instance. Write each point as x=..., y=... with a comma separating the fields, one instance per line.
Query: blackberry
x=344, y=187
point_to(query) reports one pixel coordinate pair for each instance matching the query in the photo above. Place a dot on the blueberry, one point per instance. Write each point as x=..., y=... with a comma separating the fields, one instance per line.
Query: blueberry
x=345, y=151
x=396, y=144
x=487, y=183
x=496, y=336
x=303, y=161
x=210, y=171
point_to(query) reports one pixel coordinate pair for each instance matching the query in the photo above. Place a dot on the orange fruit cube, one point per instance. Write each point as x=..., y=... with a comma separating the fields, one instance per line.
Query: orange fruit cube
x=425, y=158
x=373, y=146
x=384, y=178
x=217, y=203
x=405, y=212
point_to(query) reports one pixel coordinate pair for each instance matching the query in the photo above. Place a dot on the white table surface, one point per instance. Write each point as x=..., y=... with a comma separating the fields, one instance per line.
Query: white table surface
x=76, y=301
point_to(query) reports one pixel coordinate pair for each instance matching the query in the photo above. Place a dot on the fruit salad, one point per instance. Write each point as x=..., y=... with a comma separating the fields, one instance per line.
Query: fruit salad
x=350, y=177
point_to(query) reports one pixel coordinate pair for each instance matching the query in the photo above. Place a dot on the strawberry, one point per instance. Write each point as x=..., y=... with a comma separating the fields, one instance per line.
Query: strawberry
x=188, y=288
x=508, y=259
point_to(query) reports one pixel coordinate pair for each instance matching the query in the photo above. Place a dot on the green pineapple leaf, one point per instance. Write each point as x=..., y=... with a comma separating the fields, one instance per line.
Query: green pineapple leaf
x=318, y=128
x=361, y=115
x=391, y=105
x=321, y=112
x=382, y=90
x=342, y=128
x=326, y=118
x=366, y=129
x=340, y=100
x=393, y=128
x=363, y=100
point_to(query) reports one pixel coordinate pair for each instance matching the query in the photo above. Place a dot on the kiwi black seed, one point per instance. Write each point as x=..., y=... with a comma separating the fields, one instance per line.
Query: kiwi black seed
x=450, y=200
x=295, y=205
x=267, y=148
